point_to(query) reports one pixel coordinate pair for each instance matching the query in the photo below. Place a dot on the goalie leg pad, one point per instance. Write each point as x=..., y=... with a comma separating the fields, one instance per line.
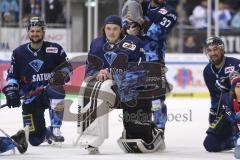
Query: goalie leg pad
x=94, y=102
x=140, y=134
x=140, y=146
x=137, y=121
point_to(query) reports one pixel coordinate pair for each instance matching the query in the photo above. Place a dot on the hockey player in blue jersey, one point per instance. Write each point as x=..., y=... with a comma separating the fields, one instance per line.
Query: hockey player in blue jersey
x=162, y=18
x=39, y=66
x=17, y=140
x=216, y=76
x=110, y=55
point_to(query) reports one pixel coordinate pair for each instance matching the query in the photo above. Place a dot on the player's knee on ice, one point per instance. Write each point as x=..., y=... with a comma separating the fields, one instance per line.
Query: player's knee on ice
x=214, y=144
x=211, y=144
x=219, y=135
x=36, y=138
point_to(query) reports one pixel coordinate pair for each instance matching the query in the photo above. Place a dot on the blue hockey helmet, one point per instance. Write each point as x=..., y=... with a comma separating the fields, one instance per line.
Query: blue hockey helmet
x=214, y=41
x=36, y=21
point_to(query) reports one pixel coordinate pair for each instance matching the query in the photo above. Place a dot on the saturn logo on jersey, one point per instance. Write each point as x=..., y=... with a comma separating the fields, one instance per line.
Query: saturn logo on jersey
x=41, y=77
x=36, y=64
x=129, y=46
x=51, y=50
x=110, y=57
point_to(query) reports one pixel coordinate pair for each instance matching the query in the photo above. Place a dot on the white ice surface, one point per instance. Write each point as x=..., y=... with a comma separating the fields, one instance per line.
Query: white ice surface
x=184, y=136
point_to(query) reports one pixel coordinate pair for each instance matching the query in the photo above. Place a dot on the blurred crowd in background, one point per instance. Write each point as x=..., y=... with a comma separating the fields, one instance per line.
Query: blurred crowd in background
x=10, y=10
x=192, y=20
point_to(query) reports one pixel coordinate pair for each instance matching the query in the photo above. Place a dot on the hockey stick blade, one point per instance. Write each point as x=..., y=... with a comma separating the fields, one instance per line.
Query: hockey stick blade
x=2, y=106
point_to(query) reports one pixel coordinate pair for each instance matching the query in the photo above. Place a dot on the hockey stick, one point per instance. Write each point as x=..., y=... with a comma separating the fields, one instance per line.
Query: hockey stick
x=31, y=93
x=219, y=105
x=2, y=106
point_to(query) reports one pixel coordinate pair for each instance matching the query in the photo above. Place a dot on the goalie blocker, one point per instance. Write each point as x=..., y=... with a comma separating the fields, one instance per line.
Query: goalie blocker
x=96, y=99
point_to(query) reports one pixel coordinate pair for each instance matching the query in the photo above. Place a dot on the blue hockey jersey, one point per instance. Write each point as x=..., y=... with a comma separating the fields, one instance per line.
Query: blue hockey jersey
x=31, y=69
x=162, y=20
x=104, y=55
x=213, y=76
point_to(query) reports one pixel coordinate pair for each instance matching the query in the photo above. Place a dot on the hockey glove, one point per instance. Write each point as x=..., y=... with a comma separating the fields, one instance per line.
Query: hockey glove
x=58, y=78
x=11, y=92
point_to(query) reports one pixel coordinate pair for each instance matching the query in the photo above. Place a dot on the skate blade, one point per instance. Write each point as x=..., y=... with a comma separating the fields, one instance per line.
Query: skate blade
x=13, y=151
x=93, y=151
x=162, y=146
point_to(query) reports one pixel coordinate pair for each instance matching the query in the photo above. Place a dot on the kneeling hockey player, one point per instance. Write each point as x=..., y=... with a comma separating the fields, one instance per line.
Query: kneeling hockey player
x=42, y=67
x=109, y=56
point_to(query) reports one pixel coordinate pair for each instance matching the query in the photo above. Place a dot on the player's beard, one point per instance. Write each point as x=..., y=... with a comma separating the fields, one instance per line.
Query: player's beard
x=36, y=41
x=217, y=61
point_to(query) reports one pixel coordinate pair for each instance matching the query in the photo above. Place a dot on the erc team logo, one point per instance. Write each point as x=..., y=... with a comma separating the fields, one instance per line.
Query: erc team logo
x=229, y=69
x=51, y=50
x=184, y=77
x=129, y=46
x=110, y=57
x=163, y=11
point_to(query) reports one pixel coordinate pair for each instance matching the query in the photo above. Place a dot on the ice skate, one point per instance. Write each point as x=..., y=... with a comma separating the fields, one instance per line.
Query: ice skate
x=237, y=148
x=55, y=137
x=92, y=150
x=21, y=141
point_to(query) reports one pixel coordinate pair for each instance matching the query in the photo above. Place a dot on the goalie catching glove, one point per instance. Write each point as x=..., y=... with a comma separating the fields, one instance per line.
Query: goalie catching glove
x=11, y=92
x=59, y=78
